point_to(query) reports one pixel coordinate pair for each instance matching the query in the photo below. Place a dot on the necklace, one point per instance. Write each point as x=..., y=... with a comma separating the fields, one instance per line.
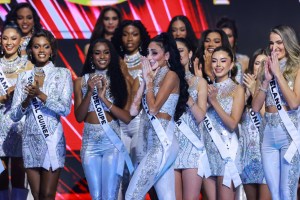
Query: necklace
x=39, y=71
x=133, y=60
x=160, y=75
x=12, y=66
x=188, y=75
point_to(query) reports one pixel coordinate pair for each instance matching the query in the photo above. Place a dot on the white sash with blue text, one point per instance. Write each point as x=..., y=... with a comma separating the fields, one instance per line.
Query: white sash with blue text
x=289, y=125
x=203, y=163
x=51, y=139
x=111, y=134
x=228, y=150
x=165, y=137
x=3, y=81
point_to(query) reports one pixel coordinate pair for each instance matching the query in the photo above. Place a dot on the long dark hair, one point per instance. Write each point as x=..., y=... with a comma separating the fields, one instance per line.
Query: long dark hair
x=12, y=15
x=225, y=22
x=258, y=52
x=190, y=33
x=117, y=38
x=168, y=44
x=51, y=39
x=186, y=43
x=117, y=81
x=200, y=51
x=99, y=30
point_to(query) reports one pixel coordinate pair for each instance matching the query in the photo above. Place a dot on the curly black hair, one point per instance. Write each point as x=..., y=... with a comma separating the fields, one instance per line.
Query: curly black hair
x=168, y=44
x=99, y=30
x=117, y=38
x=225, y=22
x=51, y=39
x=190, y=33
x=117, y=79
x=12, y=15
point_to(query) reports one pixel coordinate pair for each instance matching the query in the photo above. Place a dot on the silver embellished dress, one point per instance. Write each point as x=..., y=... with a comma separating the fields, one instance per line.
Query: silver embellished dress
x=58, y=88
x=147, y=173
x=226, y=90
x=188, y=156
x=250, y=152
x=10, y=132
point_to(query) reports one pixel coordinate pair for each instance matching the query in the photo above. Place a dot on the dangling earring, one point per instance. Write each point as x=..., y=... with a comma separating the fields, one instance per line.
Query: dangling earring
x=32, y=30
x=121, y=48
x=19, y=51
x=92, y=65
x=1, y=50
x=30, y=56
x=168, y=64
x=140, y=49
x=190, y=63
x=229, y=74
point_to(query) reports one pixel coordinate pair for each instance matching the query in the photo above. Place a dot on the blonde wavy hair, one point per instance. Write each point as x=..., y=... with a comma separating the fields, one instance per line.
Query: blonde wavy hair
x=292, y=48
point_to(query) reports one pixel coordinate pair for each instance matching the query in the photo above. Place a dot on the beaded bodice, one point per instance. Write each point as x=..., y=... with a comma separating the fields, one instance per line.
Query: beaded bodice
x=108, y=95
x=169, y=106
x=132, y=62
x=269, y=98
x=193, y=92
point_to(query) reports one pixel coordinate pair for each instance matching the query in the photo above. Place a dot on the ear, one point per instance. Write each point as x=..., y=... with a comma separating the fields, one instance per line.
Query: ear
x=167, y=56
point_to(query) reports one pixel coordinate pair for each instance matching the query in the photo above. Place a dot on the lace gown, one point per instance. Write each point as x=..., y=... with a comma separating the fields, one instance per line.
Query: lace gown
x=225, y=98
x=188, y=156
x=10, y=132
x=58, y=88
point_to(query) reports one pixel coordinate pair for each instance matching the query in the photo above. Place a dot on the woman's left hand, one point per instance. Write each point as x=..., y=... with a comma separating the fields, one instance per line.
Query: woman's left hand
x=101, y=87
x=33, y=90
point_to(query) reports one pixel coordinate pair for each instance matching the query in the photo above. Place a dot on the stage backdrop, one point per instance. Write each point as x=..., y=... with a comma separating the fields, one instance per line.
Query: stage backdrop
x=72, y=22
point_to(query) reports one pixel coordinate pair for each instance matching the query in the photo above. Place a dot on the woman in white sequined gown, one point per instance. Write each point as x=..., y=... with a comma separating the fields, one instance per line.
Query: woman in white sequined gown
x=188, y=182
x=163, y=87
x=131, y=40
x=252, y=173
x=43, y=95
x=281, y=71
x=222, y=95
x=11, y=64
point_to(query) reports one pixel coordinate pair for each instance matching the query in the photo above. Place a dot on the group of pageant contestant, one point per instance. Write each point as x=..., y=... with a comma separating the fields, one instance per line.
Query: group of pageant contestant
x=169, y=114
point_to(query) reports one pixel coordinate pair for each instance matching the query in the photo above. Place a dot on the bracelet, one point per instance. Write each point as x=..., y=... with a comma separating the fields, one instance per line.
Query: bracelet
x=263, y=89
x=110, y=106
x=149, y=90
x=190, y=107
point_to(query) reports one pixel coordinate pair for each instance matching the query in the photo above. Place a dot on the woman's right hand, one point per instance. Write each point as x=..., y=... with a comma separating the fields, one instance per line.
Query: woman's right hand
x=94, y=80
x=250, y=82
x=268, y=72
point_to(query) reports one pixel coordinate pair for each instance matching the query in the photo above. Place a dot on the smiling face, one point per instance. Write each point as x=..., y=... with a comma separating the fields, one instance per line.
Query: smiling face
x=185, y=54
x=212, y=41
x=41, y=51
x=25, y=20
x=101, y=55
x=277, y=46
x=131, y=39
x=157, y=55
x=179, y=29
x=10, y=40
x=110, y=21
x=221, y=64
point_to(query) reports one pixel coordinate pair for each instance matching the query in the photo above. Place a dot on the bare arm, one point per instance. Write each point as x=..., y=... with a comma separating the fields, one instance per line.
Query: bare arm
x=81, y=104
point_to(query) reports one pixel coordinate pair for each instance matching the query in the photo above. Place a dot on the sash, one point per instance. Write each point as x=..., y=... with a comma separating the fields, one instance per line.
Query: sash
x=110, y=133
x=3, y=81
x=289, y=125
x=165, y=137
x=203, y=163
x=51, y=139
x=254, y=119
x=228, y=151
